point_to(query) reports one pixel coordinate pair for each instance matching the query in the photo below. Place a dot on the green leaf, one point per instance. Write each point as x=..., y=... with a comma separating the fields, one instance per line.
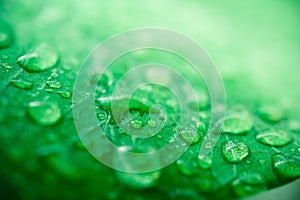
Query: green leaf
x=42, y=47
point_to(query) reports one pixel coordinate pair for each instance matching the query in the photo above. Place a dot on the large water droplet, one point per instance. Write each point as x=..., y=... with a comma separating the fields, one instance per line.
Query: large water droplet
x=45, y=112
x=238, y=124
x=276, y=138
x=138, y=180
x=235, y=151
x=249, y=183
x=26, y=85
x=285, y=166
x=39, y=58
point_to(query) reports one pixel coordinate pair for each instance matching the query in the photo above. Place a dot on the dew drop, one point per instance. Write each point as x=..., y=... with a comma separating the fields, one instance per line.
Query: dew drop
x=6, y=65
x=152, y=123
x=54, y=84
x=138, y=180
x=188, y=166
x=248, y=183
x=6, y=39
x=26, y=85
x=276, y=138
x=262, y=161
x=190, y=137
x=205, y=162
x=235, y=151
x=271, y=113
x=238, y=124
x=102, y=116
x=294, y=125
x=5, y=57
x=45, y=112
x=65, y=94
x=286, y=167
x=136, y=124
x=39, y=58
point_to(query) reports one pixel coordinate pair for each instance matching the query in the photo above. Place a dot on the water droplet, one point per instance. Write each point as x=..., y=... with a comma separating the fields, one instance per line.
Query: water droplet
x=152, y=123
x=5, y=39
x=138, y=180
x=102, y=116
x=262, y=161
x=285, y=166
x=136, y=124
x=65, y=94
x=22, y=84
x=249, y=183
x=5, y=57
x=187, y=165
x=39, y=58
x=45, y=112
x=298, y=149
x=6, y=65
x=271, y=113
x=54, y=84
x=276, y=138
x=294, y=125
x=238, y=124
x=235, y=151
x=205, y=162
x=190, y=137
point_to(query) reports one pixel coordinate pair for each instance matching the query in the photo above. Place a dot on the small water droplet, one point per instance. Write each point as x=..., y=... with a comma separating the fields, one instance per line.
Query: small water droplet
x=138, y=180
x=6, y=65
x=49, y=90
x=45, y=112
x=271, y=113
x=6, y=39
x=152, y=123
x=187, y=165
x=294, y=126
x=238, y=124
x=262, y=161
x=39, y=58
x=285, y=166
x=249, y=183
x=276, y=138
x=189, y=136
x=235, y=151
x=65, y=94
x=136, y=124
x=5, y=57
x=205, y=162
x=26, y=85
x=298, y=149
x=102, y=116
x=54, y=84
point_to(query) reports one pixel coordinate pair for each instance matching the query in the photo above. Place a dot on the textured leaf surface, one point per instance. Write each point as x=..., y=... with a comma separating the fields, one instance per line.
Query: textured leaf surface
x=256, y=51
